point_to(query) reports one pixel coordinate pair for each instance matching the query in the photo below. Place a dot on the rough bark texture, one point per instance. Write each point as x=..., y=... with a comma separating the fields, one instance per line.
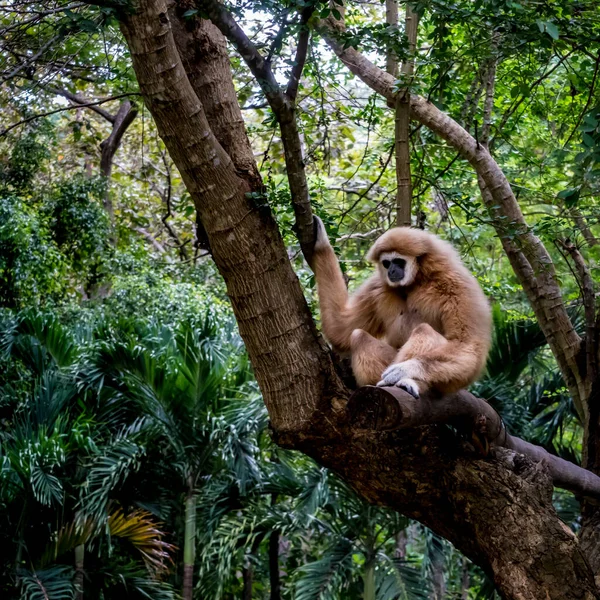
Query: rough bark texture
x=203, y=51
x=289, y=360
x=497, y=512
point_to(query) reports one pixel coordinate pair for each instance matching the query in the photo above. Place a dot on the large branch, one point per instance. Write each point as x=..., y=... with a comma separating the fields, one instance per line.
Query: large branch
x=283, y=106
x=291, y=364
x=497, y=511
x=383, y=409
x=203, y=51
x=510, y=223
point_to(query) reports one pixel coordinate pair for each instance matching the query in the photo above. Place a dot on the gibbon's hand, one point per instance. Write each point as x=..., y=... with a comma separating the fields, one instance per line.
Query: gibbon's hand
x=401, y=375
x=321, y=239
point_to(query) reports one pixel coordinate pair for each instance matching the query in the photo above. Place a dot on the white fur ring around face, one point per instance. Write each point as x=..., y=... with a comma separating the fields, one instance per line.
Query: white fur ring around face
x=399, y=374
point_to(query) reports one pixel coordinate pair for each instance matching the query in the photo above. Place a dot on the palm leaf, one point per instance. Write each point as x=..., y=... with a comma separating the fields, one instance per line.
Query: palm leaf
x=140, y=529
x=54, y=583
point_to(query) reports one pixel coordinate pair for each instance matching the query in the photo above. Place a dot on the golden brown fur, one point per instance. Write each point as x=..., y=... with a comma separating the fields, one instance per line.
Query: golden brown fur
x=431, y=329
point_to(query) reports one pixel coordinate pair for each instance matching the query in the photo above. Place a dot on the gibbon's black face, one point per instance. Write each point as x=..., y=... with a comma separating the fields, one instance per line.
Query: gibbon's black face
x=395, y=269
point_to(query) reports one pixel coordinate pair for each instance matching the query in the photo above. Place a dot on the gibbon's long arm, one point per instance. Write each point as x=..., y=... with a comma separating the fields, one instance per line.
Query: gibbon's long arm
x=340, y=316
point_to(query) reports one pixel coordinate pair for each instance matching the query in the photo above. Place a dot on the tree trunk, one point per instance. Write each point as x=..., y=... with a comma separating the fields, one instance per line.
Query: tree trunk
x=247, y=576
x=244, y=239
x=79, y=558
x=402, y=125
x=369, y=580
x=274, y=577
x=465, y=582
x=189, y=546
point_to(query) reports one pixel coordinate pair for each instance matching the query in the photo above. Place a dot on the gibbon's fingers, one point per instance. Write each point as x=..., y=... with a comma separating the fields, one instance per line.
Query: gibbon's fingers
x=411, y=368
x=409, y=385
x=321, y=239
x=406, y=383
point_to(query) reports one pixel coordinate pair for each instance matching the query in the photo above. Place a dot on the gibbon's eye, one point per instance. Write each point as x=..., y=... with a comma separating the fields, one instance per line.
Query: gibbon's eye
x=400, y=262
x=386, y=264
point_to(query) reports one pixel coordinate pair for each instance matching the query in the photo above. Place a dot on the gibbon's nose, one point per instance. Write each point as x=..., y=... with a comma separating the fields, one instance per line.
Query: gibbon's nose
x=395, y=273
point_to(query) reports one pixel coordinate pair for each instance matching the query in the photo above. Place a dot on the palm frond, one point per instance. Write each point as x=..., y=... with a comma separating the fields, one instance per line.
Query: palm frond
x=142, y=531
x=325, y=579
x=54, y=583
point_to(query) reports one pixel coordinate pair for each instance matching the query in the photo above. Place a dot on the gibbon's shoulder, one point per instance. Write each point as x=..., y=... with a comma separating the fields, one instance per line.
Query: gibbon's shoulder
x=413, y=242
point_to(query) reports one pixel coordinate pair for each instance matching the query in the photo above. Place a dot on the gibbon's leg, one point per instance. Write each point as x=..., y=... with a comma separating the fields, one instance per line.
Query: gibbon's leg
x=411, y=369
x=370, y=357
x=339, y=315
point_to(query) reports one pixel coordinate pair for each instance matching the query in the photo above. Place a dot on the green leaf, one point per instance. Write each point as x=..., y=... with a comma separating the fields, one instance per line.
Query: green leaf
x=588, y=140
x=190, y=13
x=570, y=196
x=552, y=30
x=337, y=14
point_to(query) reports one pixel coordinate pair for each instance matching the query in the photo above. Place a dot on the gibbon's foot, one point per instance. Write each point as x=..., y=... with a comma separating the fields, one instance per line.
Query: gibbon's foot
x=406, y=383
x=409, y=385
x=401, y=375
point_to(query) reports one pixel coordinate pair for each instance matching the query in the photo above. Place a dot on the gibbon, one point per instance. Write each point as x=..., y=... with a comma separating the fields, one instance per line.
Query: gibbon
x=421, y=322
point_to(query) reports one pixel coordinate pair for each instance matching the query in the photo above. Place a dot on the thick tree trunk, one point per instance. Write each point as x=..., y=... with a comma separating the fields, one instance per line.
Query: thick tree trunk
x=265, y=294
x=497, y=511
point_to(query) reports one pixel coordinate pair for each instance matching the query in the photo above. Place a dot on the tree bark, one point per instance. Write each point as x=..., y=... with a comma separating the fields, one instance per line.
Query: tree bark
x=291, y=364
x=203, y=51
x=402, y=125
x=247, y=577
x=122, y=120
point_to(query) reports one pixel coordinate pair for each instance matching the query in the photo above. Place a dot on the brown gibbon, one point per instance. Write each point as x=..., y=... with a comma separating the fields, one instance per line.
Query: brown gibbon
x=421, y=322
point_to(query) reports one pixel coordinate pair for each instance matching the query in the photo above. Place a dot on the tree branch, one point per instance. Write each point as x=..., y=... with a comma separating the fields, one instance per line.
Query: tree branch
x=62, y=109
x=385, y=409
x=284, y=109
x=586, y=285
x=122, y=120
x=82, y=101
x=301, y=53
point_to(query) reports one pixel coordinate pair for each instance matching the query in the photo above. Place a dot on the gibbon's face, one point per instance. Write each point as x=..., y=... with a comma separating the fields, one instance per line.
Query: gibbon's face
x=396, y=269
